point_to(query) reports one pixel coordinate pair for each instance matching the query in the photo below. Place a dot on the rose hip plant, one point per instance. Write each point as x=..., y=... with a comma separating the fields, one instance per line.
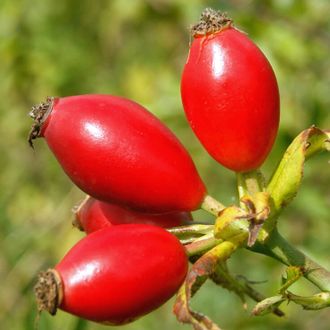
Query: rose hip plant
x=142, y=185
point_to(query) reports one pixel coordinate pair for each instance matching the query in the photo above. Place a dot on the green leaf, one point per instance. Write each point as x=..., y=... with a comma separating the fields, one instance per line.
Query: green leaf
x=286, y=179
x=318, y=301
x=198, y=274
x=293, y=273
x=267, y=305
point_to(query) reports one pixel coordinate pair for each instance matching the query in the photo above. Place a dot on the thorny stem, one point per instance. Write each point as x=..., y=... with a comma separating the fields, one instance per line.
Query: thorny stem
x=278, y=248
x=211, y=205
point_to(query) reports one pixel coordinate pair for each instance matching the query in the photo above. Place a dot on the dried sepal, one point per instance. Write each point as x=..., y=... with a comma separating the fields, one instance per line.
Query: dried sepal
x=201, y=270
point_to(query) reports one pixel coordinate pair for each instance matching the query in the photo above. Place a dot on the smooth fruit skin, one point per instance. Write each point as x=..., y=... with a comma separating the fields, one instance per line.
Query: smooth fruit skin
x=231, y=99
x=117, y=151
x=94, y=215
x=119, y=273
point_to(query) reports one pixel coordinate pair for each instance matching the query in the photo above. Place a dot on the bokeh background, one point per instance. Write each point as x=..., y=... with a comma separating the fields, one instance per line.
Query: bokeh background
x=137, y=49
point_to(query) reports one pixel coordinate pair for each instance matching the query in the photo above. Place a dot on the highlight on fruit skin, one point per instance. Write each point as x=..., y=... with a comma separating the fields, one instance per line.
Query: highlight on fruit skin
x=230, y=94
x=115, y=275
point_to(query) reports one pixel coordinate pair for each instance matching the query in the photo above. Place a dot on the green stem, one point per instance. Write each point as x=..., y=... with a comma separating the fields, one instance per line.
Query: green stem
x=318, y=301
x=189, y=234
x=211, y=205
x=240, y=286
x=197, y=229
x=278, y=248
x=249, y=183
x=202, y=245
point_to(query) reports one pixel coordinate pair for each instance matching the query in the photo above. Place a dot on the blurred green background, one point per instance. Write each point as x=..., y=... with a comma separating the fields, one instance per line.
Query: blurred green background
x=137, y=49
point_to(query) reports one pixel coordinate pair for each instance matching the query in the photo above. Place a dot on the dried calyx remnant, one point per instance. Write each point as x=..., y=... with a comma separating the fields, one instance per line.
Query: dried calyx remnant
x=39, y=114
x=48, y=291
x=76, y=211
x=211, y=21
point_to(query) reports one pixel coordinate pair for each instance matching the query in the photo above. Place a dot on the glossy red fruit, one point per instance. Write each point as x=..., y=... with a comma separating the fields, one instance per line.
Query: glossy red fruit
x=117, y=151
x=93, y=215
x=115, y=274
x=230, y=94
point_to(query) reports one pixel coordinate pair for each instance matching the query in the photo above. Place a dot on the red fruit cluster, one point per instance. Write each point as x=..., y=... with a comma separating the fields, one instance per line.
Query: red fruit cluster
x=140, y=179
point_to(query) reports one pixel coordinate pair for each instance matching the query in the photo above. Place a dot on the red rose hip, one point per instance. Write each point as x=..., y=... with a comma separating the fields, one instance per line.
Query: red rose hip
x=93, y=215
x=117, y=151
x=115, y=274
x=230, y=94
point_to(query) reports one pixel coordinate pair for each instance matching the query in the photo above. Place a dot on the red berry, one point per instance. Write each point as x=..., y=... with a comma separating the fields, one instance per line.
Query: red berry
x=230, y=94
x=115, y=274
x=93, y=215
x=117, y=151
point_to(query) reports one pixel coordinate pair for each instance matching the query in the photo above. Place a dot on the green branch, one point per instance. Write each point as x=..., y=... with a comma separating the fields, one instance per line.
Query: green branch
x=280, y=249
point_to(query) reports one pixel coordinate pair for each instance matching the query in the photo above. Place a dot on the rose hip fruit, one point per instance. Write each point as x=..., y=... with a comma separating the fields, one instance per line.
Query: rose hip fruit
x=115, y=274
x=230, y=94
x=93, y=215
x=116, y=151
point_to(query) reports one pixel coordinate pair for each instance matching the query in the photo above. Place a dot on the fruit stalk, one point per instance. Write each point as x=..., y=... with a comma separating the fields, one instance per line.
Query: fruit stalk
x=211, y=205
x=249, y=183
